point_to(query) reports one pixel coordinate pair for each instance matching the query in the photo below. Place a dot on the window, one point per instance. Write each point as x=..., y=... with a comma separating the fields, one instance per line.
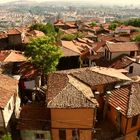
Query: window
x=132, y=54
x=131, y=69
x=62, y=134
x=39, y=136
x=75, y=134
x=9, y=107
x=134, y=121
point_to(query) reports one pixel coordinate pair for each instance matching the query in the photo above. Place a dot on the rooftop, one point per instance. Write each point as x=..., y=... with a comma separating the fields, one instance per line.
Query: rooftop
x=122, y=47
x=72, y=88
x=122, y=62
x=11, y=56
x=127, y=98
x=8, y=87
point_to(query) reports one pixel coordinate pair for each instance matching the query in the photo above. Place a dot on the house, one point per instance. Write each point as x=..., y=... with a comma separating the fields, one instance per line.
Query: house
x=3, y=40
x=30, y=76
x=72, y=107
x=14, y=37
x=71, y=53
x=34, y=122
x=125, y=29
x=72, y=98
x=124, y=111
x=131, y=65
x=113, y=50
x=9, y=102
x=36, y=33
x=65, y=25
x=9, y=59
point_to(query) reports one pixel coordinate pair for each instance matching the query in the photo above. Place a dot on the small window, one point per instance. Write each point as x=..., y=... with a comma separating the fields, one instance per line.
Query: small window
x=39, y=136
x=75, y=134
x=134, y=121
x=9, y=107
x=132, y=54
x=62, y=134
x=131, y=69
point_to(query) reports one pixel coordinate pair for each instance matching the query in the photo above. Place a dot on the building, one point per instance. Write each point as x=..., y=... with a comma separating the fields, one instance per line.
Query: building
x=34, y=122
x=113, y=50
x=70, y=53
x=131, y=65
x=72, y=98
x=9, y=102
x=124, y=111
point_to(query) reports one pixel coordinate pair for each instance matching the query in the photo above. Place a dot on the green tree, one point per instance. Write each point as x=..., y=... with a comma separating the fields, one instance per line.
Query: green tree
x=6, y=137
x=48, y=28
x=43, y=53
x=133, y=22
x=136, y=38
x=69, y=37
x=113, y=26
x=93, y=24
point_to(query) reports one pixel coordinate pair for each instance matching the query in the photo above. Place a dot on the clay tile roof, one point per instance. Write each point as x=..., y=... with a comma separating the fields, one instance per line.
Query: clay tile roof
x=127, y=98
x=3, y=35
x=70, y=88
x=75, y=94
x=123, y=47
x=36, y=33
x=127, y=27
x=122, y=39
x=11, y=56
x=34, y=117
x=121, y=62
x=13, y=32
x=119, y=98
x=28, y=70
x=8, y=87
x=71, y=47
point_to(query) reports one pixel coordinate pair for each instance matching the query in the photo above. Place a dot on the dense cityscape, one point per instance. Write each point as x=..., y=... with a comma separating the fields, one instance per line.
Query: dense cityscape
x=69, y=70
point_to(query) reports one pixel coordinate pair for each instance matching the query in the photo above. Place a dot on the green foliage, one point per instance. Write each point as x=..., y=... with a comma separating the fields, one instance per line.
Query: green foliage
x=6, y=137
x=80, y=35
x=43, y=53
x=136, y=38
x=93, y=24
x=133, y=22
x=69, y=37
x=113, y=26
x=45, y=28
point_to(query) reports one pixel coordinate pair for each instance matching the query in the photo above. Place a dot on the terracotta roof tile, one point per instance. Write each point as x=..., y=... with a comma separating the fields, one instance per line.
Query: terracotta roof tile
x=75, y=95
x=8, y=87
x=13, y=32
x=127, y=98
x=11, y=56
x=121, y=62
x=3, y=35
x=70, y=88
x=36, y=33
x=28, y=70
x=71, y=46
x=119, y=98
x=123, y=47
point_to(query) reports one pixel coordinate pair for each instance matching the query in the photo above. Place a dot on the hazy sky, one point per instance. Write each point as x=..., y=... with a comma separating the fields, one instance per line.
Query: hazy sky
x=126, y=2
